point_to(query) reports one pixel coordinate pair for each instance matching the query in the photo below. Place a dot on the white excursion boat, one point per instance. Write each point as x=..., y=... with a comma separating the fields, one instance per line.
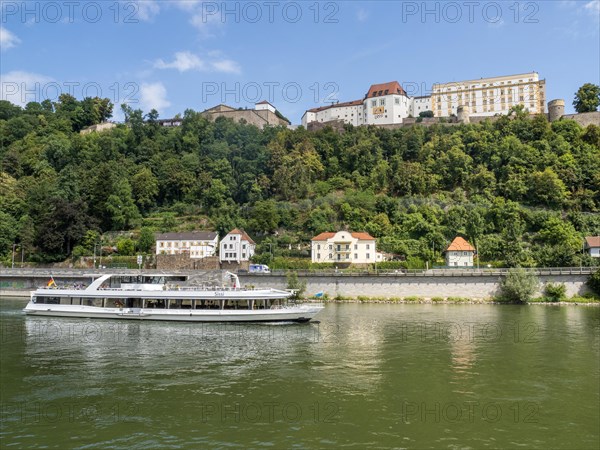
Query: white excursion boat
x=160, y=297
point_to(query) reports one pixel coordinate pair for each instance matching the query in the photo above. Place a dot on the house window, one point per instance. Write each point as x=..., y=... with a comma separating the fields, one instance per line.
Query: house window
x=318, y=256
x=368, y=247
x=347, y=256
x=465, y=253
x=382, y=102
x=330, y=256
x=397, y=101
x=339, y=257
x=373, y=103
x=318, y=246
x=356, y=256
x=243, y=255
x=368, y=256
x=465, y=263
x=355, y=246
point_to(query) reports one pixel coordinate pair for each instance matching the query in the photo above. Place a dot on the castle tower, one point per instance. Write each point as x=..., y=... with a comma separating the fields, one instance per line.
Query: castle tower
x=463, y=114
x=556, y=109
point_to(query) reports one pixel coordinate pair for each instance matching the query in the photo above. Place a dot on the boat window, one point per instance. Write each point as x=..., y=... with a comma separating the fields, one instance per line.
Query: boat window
x=87, y=301
x=65, y=301
x=114, y=303
x=155, y=303
x=186, y=304
x=76, y=301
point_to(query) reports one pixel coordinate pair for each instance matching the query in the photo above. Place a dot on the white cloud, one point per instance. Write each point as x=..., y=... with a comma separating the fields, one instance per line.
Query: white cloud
x=593, y=7
x=206, y=23
x=187, y=5
x=153, y=95
x=183, y=62
x=146, y=10
x=21, y=87
x=186, y=60
x=7, y=39
x=362, y=15
x=226, y=66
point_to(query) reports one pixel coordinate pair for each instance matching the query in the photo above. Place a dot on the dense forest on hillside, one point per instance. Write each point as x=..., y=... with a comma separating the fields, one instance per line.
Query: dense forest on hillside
x=523, y=190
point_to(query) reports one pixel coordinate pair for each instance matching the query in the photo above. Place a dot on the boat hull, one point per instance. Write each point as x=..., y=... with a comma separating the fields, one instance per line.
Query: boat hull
x=289, y=314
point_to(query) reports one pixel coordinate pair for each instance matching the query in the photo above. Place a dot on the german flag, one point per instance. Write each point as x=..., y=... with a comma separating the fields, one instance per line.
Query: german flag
x=51, y=282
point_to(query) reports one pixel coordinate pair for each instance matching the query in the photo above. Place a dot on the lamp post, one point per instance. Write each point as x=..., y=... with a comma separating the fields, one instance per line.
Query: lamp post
x=13, y=255
x=100, y=248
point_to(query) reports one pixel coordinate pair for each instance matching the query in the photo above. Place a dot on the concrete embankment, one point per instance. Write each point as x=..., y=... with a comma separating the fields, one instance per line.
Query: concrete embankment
x=465, y=283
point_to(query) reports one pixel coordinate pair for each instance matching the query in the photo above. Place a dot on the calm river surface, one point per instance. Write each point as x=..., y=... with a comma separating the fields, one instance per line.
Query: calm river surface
x=367, y=376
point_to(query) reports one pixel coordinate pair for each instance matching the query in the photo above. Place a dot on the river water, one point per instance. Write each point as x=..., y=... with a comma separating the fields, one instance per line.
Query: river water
x=366, y=376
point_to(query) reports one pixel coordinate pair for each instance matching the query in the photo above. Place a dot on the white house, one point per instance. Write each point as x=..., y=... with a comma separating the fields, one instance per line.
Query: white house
x=236, y=247
x=460, y=253
x=198, y=244
x=343, y=247
x=490, y=96
x=592, y=245
x=388, y=103
x=264, y=105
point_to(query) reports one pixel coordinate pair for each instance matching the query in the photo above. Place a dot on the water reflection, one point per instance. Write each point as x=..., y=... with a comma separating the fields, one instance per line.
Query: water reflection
x=355, y=378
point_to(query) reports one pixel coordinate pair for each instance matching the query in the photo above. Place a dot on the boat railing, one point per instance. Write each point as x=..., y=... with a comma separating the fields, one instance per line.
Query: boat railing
x=182, y=288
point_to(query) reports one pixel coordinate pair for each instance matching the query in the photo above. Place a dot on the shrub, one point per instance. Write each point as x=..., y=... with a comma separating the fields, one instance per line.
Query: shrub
x=125, y=247
x=594, y=282
x=437, y=299
x=294, y=283
x=518, y=286
x=555, y=292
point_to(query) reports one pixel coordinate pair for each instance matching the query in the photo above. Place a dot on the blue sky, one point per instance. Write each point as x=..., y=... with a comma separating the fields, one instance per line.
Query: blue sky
x=192, y=54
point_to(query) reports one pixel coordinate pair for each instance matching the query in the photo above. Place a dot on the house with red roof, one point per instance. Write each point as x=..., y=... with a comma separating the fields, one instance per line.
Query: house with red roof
x=459, y=253
x=344, y=247
x=592, y=245
x=236, y=247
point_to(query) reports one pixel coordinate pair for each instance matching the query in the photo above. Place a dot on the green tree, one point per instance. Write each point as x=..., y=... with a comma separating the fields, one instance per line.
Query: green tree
x=146, y=241
x=125, y=247
x=121, y=208
x=144, y=186
x=594, y=282
x=587, y=98
x=8, y=233
x=293, y=283
x=518, y=286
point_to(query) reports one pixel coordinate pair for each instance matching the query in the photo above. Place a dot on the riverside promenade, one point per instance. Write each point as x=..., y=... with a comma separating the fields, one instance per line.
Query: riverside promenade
x=466, y=283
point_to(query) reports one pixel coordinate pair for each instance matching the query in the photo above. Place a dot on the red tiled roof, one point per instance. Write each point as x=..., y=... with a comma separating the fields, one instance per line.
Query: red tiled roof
x=323, y=237
x=336, y=105
x=378, y=90
x=363, y=236
x=329, y=235
x=592, y=241
x=461, y=245
x=243, y=234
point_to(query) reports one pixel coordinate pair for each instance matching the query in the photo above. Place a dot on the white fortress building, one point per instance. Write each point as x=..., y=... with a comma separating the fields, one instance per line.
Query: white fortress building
x=388, y=103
